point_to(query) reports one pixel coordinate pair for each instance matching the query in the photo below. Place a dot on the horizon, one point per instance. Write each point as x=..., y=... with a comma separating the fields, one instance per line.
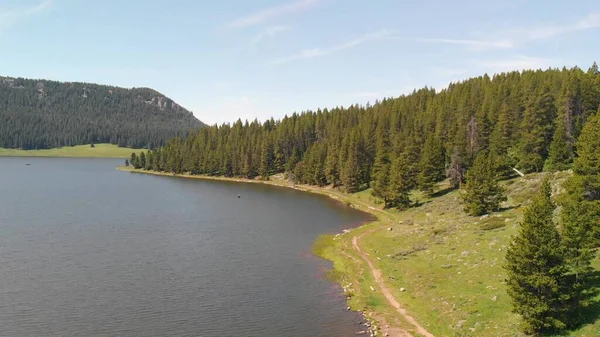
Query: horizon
x=273, y=58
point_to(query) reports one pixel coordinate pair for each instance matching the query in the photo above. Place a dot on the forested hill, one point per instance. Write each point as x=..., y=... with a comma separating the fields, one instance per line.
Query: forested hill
x=40, y=114
x=529, y=120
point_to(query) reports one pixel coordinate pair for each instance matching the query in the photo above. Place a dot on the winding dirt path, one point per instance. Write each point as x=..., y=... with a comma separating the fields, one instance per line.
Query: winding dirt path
x=387, y=293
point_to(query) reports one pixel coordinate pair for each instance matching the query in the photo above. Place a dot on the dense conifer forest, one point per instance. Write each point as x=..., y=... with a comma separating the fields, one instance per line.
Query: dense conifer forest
x=474, y=133
x=40, y=114
x=529, y=120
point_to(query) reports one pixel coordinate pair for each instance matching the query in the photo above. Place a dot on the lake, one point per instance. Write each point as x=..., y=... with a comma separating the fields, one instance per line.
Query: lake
x=86, y=250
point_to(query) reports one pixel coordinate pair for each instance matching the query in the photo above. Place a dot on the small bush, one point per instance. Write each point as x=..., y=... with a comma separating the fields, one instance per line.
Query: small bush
x=493, y=225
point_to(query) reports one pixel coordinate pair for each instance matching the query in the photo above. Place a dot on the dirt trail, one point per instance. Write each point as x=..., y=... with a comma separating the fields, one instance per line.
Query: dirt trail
x=388, y=294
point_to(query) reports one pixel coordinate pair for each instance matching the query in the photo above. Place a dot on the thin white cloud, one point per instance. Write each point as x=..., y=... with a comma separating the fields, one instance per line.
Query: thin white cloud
x=544, y=32
x=269, y=32
x=267, y=14
x=473, y=44
x=513, y=38
x=12, y=16
x=317, y=52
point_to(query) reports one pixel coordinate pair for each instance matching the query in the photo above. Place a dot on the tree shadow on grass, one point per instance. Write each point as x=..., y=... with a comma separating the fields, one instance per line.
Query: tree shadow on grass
x=509, y=208
x=591, y=313
x=443, y=192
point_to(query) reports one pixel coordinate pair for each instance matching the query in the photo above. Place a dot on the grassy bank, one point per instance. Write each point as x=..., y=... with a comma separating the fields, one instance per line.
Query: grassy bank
x=81, y=151
x=449, y=263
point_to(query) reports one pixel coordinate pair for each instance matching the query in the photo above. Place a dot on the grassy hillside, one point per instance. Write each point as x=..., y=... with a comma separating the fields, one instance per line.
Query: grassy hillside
x=83, y=151
x=449, y=263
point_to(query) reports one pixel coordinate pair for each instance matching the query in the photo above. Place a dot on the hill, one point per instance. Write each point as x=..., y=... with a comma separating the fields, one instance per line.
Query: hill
x=41, y=114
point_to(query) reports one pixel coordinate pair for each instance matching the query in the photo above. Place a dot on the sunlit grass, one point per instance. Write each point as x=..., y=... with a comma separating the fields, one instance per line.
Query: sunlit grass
x=84, y=151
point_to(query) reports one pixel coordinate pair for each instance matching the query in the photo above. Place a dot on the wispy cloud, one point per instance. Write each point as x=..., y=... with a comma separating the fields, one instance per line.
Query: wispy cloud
x=269, y=32
x=472, y=44
x=513, y=38
x=10, y=16
x=267, y=14
x=317, y=52
x=548, y=31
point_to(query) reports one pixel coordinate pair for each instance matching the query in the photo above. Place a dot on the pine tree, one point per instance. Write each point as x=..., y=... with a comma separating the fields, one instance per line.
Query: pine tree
x=432, y=165
x=381, y=184
x=482, y=193
x=126, y=162
x=560, y=156
x=537, y=131
x=400, y=183
x=149, y=160
x=456, y=171
x=535, y=267
x=587, y=171
x=579, y=221
x=266, y=159
x=380, y=176
x=581, y=217
x=501, y=141
x=294, y=159
x=332, y=170
x=350, y=174
x=142, y=160
x=134, y=160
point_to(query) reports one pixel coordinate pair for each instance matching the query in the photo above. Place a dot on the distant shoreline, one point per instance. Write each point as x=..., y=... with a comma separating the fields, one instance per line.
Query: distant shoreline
x=79, y=151
x=337, y=196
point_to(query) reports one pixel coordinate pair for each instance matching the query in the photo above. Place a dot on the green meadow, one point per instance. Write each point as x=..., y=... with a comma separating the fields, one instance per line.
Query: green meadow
x=449, y=263
x=80, y=151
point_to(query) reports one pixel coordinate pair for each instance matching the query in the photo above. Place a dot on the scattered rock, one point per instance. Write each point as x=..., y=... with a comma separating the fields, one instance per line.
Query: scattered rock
x=348, y=308
x=373, y=289
x=390, y=229
x=495, y=298
x=485, y=216
x=402, y=290
x=460, y=323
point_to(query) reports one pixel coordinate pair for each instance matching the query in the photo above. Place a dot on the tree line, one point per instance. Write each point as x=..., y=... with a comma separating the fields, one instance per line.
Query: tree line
x=473, y=133
x=529, y=120
x=40, y=114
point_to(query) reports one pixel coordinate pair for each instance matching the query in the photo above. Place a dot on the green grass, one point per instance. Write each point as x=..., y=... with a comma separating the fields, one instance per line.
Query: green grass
x=82, y=151
x=449, y=262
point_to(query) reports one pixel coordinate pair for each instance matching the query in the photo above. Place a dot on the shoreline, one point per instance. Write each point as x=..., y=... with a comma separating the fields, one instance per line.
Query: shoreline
x=100, y=150
x=374, y=322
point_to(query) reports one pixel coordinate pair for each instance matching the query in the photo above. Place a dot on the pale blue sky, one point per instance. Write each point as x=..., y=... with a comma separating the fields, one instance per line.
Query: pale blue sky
x=261, y=58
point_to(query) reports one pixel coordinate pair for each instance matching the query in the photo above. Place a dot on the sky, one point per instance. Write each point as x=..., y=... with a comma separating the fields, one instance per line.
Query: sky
x=231, y=59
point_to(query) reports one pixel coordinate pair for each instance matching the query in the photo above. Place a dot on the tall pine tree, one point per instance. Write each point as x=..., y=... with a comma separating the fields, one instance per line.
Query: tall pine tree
x=537, y=131
x=482, y=192
x=432, y=165
x=400, y=183
x=535, y=265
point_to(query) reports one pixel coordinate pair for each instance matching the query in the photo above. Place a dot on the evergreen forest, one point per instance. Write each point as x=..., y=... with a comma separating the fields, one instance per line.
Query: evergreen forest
x=40, y=114
x=527, y=120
